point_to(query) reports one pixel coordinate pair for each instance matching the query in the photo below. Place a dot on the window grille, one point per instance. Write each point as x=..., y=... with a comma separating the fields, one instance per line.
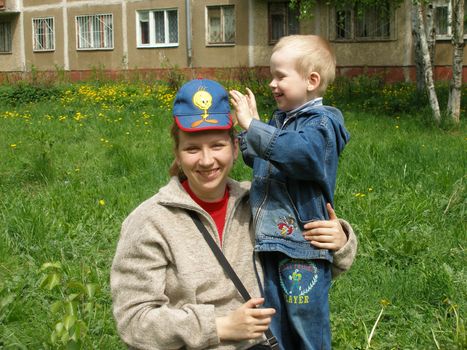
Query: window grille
x=221, y=24
x=43, y=34
x=94, y=31
x=5, y=37
x=282, y=20
x=442, y=19
x=367, y=23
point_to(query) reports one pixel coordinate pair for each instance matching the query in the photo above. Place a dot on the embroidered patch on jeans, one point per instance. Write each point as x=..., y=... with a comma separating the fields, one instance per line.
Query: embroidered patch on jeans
x=286, y=226
x=297, y=279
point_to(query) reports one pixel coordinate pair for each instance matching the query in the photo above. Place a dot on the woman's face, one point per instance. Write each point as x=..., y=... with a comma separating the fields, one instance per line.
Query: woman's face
x=206, y=158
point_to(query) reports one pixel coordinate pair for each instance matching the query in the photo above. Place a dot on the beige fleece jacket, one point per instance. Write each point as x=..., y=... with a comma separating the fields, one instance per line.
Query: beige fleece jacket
x=167, y=286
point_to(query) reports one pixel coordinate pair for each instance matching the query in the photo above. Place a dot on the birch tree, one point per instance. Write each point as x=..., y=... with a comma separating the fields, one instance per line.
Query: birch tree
x=457, y=27
x=419, y=30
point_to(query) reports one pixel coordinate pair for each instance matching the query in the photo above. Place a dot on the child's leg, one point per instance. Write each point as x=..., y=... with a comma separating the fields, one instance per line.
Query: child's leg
x=273, y=298
x=305, y=286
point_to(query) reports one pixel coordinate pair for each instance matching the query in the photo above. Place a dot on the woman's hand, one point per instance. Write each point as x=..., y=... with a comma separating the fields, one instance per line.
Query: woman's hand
x=247, y=322
x=326, y=234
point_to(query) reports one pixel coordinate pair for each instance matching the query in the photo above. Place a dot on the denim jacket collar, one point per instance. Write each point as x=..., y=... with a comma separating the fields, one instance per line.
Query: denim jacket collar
x=294, y=112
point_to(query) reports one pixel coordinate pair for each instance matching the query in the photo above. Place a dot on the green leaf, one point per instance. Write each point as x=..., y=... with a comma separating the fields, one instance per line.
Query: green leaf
x=71, y=307
x=88, y=307
x=51, y=265
x=75, y=285
x=55, y=307
x=54, y=337
x=72, y=297
x=91, y=289
x=69, y=321
x=59, y=328
x=51, y=281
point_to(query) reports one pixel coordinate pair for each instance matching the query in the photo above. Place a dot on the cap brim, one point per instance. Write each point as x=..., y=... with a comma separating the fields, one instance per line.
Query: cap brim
x=193, y=123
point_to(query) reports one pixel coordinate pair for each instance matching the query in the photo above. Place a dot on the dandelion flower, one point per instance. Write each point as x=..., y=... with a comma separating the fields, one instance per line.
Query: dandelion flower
x=101, y=202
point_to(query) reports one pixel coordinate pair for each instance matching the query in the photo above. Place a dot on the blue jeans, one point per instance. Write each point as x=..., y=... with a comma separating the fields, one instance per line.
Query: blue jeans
x=298, y=290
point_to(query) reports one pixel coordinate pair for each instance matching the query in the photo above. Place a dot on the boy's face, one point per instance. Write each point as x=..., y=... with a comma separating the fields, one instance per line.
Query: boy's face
x=290, y=88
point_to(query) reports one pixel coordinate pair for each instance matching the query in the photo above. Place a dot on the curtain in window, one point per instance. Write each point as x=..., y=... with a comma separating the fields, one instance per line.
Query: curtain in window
x=214, y=18
x=159, y=27
x=43, y=34
x=173, y=26
x=229, y=24
x=441, y=20
x=5, y=37
x=144, y=27
x=373, y=22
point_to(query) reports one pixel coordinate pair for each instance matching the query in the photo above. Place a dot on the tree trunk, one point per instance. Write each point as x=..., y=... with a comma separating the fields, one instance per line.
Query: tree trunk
x=430, y=31
x=418, y=57
x=457, y=25
x=419, y=27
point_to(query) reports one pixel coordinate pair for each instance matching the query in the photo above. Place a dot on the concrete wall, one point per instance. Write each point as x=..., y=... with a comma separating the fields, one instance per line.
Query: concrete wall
x=251, y=46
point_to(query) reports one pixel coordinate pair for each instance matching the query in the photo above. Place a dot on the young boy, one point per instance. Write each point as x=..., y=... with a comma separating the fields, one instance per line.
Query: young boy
x=294, y=160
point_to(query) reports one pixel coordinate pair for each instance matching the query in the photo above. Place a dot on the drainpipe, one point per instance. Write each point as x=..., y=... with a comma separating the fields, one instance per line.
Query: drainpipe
x=188, y=33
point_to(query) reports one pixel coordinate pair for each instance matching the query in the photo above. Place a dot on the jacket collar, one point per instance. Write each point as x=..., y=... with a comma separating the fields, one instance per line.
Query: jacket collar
x=284, y=116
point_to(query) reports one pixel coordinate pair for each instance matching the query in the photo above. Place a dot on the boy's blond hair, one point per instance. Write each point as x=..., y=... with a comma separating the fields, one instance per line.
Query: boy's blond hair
x=314, y=54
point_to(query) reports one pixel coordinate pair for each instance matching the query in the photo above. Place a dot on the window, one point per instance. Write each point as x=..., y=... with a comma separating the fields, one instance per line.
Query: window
x=5, y=37
x=221, y=24
x=157, y=28
x=369, y=23
x=282, y=20
x=43, y=34
x=442, y=16
x=94, y=32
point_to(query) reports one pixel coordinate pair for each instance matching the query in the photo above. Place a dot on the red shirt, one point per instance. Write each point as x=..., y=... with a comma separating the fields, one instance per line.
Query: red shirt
x=217, y=210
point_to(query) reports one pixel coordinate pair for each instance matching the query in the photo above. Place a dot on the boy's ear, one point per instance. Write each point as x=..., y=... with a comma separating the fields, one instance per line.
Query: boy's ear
x=314, y=79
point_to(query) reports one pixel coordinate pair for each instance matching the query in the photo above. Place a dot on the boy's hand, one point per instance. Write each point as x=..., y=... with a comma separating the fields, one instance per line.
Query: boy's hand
x=326, y=234
x=245, y=107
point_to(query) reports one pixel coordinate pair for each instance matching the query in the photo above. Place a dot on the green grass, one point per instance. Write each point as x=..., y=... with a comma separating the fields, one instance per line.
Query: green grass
x=71, y=170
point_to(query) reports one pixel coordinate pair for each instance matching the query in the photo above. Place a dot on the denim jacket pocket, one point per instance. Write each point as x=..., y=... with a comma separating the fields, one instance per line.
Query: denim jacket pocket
x=277, y=218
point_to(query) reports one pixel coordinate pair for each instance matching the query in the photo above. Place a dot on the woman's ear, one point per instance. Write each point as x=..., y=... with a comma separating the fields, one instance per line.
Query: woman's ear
x=236, y=147
x=314, y=79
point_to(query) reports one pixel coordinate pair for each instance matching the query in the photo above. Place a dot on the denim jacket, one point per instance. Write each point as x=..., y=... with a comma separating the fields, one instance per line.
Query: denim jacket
x=294, y=159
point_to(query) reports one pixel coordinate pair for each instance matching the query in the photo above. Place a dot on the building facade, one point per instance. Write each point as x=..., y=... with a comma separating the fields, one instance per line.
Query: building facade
x=120, y=35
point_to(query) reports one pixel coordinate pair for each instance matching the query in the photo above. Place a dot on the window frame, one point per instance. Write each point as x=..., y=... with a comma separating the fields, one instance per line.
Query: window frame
x=9, y=26
x=34, y=47
x=222, y=25
x=152, y=34
x=93, y=48
x=287, y=13
x=354, y=25
x=447, y=4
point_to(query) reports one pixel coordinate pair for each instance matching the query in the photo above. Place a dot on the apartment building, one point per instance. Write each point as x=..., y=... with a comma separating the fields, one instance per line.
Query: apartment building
x=81, y=35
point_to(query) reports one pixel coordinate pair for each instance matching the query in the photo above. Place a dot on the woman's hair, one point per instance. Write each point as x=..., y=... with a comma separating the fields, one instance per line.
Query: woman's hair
x=314, y=54
x=175, y=169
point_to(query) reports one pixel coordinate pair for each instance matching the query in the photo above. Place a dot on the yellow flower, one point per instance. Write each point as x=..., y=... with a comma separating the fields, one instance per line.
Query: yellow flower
x=384, y=302
x=101, y=202
x=13, y=145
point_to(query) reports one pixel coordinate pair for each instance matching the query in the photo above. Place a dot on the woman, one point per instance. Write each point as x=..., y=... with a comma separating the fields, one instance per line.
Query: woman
x=169, y=291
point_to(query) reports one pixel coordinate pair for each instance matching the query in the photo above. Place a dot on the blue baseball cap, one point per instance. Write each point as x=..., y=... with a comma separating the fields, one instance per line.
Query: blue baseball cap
x=202, y=104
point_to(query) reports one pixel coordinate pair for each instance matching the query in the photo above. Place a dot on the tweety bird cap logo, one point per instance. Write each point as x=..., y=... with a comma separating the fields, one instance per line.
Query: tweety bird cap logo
x=202, y=104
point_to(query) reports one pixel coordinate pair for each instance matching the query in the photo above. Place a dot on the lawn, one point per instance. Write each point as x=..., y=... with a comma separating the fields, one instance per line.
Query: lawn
x=74, y=164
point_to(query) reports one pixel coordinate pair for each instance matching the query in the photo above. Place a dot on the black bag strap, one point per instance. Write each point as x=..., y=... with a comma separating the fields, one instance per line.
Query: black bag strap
x=271, y=339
